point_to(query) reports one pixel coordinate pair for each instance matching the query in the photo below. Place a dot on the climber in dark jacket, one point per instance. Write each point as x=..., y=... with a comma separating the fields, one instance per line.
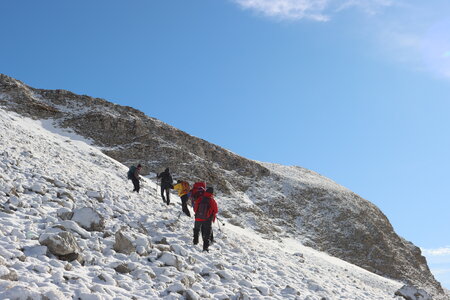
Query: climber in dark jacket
x=133, y=174
x=166, y=185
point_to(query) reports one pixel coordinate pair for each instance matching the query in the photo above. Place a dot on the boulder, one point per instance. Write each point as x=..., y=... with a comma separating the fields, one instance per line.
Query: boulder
x=176, y=287
x=73, y=227
x=412, y=293
x=89, y=219
x=122, y=269
x=39, y=188
x=64, y=214
x=63, y=245
x=7, y=274
x=123, y=244
x=96, y=195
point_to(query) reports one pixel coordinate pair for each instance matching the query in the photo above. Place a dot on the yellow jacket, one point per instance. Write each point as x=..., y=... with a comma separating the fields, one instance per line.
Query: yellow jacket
x=182, y=188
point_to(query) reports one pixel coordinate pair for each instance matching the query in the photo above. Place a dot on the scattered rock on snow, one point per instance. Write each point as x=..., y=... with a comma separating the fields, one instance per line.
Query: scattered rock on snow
x=14, y=200
x=63, y=194
x=89, y=219
x=64, y=214
x=225, y=274
x=123, y=244
x=14, y=192
x=74, y=227
x=60, y=184
x=122, y=269
x=289, y=290
x=7, y=274
x=264, y=290
x=168, y=259
x=178, y=250
x=176, y=288
x=241, y=295
x=96, y=195
x=191, y=295
x=245, y=283
x=63, y=245
x=39, y=188
x=19, y=290
x=163, y=241
x=163, y=247
x=412, y=293
x=108, y=279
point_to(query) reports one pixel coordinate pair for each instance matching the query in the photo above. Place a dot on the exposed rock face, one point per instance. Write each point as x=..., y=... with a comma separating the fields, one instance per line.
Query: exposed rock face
x=277, y=199
x=129, y=136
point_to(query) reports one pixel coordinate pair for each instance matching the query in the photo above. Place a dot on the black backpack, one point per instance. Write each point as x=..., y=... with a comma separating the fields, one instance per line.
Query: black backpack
x=203, y=210
x=131, y=171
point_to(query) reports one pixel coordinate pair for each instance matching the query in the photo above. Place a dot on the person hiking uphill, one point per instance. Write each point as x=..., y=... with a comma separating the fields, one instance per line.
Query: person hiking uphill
x=166, y=184
x=205, y=208
x=182, y=187
x=197, y=190
x=133, y=174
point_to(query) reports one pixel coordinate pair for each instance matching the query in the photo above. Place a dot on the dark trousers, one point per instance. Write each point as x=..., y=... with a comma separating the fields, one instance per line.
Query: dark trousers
x=167, y=190
x=135, y=184
x=205, y=228
x=184, y=200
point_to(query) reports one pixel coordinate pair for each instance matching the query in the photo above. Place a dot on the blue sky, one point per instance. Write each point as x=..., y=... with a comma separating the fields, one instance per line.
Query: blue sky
x=358, y=91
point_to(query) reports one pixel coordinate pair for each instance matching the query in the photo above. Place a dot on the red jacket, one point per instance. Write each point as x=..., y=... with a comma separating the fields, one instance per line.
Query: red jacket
x=213, y=209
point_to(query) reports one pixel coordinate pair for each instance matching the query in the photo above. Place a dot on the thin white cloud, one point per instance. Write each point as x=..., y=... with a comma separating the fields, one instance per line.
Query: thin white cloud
x=414, y=33
x=444, y=251
x=369, y=6
x=439, y=257
x=418, y=35
x=288, y=9
x=317, y=10
x=440, y=271
x=439, y=262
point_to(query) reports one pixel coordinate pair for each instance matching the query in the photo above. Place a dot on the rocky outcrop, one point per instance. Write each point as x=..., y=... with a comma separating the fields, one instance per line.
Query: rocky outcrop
x=129, y=136
x=270, y=199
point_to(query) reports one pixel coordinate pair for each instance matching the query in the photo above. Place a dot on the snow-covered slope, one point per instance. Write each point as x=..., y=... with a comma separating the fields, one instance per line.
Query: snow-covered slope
x=44, y=174
x=277, y=201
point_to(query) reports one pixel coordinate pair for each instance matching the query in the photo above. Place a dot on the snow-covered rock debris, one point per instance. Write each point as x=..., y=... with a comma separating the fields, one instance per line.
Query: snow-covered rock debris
x=143, y=251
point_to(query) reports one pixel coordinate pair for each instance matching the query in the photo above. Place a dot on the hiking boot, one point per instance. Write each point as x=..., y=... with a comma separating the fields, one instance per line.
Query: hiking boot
x=195, y=241
x=205, y=250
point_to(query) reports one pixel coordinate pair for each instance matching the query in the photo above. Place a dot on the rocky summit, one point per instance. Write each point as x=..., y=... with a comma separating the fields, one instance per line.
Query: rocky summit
x=277, y=201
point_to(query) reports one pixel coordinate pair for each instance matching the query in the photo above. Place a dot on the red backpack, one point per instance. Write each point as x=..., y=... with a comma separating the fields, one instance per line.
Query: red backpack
x=198, y=189
x=204, y=209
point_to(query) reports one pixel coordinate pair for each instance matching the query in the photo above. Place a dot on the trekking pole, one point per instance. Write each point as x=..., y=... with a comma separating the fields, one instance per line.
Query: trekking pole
x=220, y=221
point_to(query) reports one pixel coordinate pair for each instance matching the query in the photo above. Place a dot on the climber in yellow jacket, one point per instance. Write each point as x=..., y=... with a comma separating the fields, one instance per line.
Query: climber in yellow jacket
x=183, y=188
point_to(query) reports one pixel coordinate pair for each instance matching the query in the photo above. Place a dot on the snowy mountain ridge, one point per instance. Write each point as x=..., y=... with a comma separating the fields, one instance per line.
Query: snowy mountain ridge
x=278, y=202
